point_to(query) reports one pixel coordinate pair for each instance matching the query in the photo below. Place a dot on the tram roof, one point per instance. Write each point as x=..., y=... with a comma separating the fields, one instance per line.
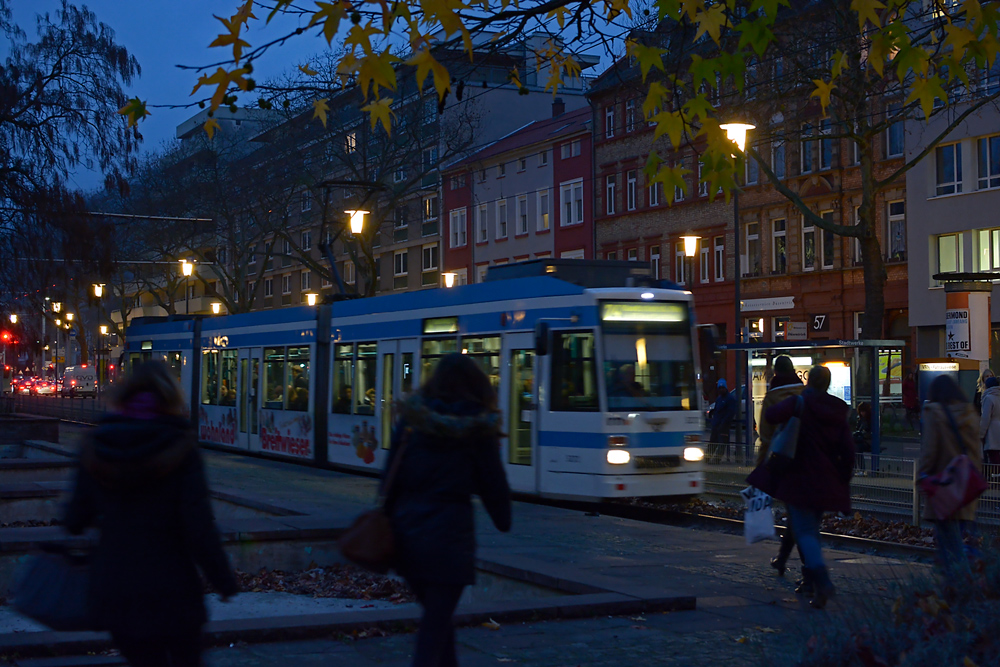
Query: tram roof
x=811, y=344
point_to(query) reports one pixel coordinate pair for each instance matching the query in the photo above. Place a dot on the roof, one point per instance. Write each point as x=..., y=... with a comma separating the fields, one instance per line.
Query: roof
x=571, y=122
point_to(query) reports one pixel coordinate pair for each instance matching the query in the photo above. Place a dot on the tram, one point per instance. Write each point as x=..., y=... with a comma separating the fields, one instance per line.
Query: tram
x=599, y=388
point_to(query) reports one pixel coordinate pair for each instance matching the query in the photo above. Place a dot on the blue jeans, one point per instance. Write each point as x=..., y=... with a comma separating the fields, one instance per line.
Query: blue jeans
x=805, y=524
x=951, y=548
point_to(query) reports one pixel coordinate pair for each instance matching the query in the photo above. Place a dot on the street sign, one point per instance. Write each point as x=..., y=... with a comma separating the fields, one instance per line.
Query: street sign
x=60, y=360
x=819, y=322
x=796, y=331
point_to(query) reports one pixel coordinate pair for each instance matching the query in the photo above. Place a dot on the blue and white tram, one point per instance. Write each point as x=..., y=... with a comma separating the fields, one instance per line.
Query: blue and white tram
x=599, y=388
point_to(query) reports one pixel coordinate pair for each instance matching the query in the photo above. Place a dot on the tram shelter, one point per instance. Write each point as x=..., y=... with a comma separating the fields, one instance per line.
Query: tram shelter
x=862, y=371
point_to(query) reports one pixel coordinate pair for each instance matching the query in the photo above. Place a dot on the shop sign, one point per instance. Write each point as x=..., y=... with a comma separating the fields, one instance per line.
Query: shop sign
x=796, y=331
x=773, y=303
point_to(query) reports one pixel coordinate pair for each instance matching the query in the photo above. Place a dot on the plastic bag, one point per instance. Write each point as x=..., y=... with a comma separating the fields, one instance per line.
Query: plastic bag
x=758, y=521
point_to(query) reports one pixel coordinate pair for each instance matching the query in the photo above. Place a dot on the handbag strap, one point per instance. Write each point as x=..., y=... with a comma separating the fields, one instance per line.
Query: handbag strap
x=954, y=428
x=390, y=476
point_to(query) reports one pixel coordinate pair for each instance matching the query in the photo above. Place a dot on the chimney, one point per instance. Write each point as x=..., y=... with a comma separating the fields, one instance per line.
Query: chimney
x=558, y=107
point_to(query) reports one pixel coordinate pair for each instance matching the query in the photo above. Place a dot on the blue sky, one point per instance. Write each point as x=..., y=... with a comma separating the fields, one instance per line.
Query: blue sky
x=162, y=35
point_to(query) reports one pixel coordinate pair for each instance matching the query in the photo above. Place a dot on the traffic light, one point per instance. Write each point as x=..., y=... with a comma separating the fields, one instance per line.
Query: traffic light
x=6, y=336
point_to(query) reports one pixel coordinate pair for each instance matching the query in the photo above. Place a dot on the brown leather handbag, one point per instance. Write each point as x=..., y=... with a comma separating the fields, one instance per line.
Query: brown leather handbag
x=369, y=541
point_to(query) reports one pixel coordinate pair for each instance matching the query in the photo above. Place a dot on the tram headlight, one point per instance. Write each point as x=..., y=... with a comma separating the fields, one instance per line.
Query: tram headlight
x=693, y=454
x=618, y=456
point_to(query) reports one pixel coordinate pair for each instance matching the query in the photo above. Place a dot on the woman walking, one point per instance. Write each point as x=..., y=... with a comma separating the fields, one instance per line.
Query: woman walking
x=142, y=482
x=977, y=399
x=817, y=479
x=989, y=423
x=449, y=440
x=951, y=427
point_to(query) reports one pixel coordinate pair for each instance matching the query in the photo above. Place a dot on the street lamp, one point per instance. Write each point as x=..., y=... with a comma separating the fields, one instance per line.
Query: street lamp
x=737, y=133
x=311, y=298
x=216, y=308
x=13, y=318
x=69, y=318
x=357, y=220
x=98, y=290
x=98, y=293
x=56, y=306
x=449, y=279
x=187, y=268
x=690, y=249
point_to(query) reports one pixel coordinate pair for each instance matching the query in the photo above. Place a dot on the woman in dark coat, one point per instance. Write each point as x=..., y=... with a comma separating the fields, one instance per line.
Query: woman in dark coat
x=818, y=478
x=449, y=438
x=142, y=482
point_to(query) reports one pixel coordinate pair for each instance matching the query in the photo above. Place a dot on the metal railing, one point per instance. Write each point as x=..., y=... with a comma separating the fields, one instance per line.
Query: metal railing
x=882, y=486
x=86, y=410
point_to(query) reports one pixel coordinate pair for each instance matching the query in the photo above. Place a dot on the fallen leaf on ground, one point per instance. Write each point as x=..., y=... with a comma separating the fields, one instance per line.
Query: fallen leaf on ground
x=491, y=625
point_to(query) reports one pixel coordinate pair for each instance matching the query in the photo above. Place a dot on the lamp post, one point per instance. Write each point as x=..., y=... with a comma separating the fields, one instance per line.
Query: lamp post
x=737, y=133
x=187, y=268
x=98, y=293
x=690, y=249
x=69, y=327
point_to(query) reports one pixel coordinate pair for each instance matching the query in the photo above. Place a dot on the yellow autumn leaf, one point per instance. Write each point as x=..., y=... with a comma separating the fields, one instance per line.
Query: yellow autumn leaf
x=560, y=15
x=134, y=111
x=823, y=91
x=320, y=107
x=711, y=21
x=376, y=72
x=867, y=10
x=670, y=123
x=330, y=15
x=926, y=90
x=233, y=39
x=221, y=79
x=647, y=57
x=425, y=62
x=654, y=99
x=380, y=111
x=210, y=126
x=308, y=71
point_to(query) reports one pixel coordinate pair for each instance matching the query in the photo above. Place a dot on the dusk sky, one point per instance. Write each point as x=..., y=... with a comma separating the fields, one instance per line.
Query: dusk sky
x=162, y=35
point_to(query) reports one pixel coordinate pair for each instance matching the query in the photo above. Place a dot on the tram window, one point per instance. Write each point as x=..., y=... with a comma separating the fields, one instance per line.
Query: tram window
x=522, y=399
x=431, y=352
x=343, y=378
x=486, y=353
x=227, y=375
x=406, y=387
x=243, y=396
x=298, y=378
x=387, y=403
x=648, y=370
x=274, y=378
x=174, y=362
x=574, y=377
x=210, y=377
x=364, y=390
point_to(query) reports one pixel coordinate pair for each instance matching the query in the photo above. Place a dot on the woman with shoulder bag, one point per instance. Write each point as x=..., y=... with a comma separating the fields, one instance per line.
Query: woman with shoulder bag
x=951, y=427
x=141, y=480
x=989, y=423
x=449, y=439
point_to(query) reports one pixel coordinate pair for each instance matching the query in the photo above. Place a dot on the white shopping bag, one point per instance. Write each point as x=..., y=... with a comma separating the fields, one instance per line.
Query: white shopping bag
x=758, y=521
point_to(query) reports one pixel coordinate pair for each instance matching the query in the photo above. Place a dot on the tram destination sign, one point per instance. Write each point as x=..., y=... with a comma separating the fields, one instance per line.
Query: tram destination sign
x=635, y=311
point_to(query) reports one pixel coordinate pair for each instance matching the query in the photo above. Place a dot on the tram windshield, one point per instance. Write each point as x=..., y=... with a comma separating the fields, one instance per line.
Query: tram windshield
x=648, y=356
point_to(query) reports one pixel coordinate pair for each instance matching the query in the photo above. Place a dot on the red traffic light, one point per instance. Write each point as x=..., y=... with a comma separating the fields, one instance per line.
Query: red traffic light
x=6, y=336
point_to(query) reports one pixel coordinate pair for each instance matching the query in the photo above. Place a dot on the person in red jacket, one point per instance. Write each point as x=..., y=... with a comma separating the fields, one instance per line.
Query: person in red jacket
x=818, y=478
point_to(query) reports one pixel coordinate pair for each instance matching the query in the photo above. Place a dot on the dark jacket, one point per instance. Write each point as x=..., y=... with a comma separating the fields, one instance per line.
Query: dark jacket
x=142, y=482
x=452, y=452
x=723, y=411
x=781, y=387
x=819, y=476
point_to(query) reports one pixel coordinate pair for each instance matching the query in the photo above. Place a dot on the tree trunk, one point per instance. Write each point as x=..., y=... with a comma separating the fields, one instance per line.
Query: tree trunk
x=871, y=255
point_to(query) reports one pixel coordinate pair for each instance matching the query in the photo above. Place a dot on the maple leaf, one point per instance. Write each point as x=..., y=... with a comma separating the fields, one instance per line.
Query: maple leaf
x=867, y=10
x=926, y=90
x=361, y=37
x=231, y=38
x=958, y=39
x=320, y=107
x=711, y=21
x=648, y=57
x=377, y=72
x=425, y=62
x=210, y=126
x=330, y=14
x=380, y=111
x=134, y=111
x=560, y=15
x=770, y=7
x=221, y=79
x=654, y=98
x=823, y=91
x=305, y=69
x=698, y=106
x=670, y=123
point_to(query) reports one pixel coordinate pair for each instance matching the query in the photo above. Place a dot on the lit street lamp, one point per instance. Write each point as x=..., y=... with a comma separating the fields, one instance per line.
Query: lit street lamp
x=311, y=298
x=449, y=279
x=216, y=308
x=357, y=220
x=13, y=318
x=187, y=268
x=98, y=293
x=690, y=249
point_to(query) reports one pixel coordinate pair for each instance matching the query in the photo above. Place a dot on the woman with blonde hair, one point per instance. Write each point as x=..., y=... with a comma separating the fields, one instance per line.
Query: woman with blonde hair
x=141, y=481
x=977, y=400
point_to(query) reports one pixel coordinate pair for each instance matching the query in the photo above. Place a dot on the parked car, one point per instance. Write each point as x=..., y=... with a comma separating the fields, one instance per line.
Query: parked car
x=44, y=388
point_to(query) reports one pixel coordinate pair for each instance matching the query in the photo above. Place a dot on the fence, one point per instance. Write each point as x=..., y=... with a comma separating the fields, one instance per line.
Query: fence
x=86, y=410
x=888, y=492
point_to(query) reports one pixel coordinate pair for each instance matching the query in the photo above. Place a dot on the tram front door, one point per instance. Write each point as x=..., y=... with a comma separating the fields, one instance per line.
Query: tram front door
x=249, y=399
x=518, y=401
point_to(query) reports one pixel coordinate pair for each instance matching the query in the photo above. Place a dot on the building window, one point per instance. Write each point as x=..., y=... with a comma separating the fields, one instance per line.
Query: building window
x=949, y=169
x=825, y=145
x=572, y=202
x=399, y=220
x=680, y=264
x=481, y=223
x=807, y=149
x=720, y=258
x=457, y=182
x=752, y=267
x=703, y=258
x=894, y=135
x=679, y=190
x=543, y=211
x=632, y=254
x=430, y=208
x=829, y=242
x=610, y=186
x=430, y=257
x=612, y=255
x=630, y=115
x=307, y=201
x=399, y=174
x=543, y=158
x=307, y=240
x=752, y=171
x=630, y=178
x=502, y=219
x=305, y=280
x=989, y=162
x=457, y=224
x=948, y=259
x=400, y=263
x=702, y=185
x=778, y=158
x=855, y=153
x=430, y=157
x=654, y=261
x=522, y=164
x=268, y=287
x=351, y=142
x=653, y=193
x=779, y=248
x=571, y=149
x=989, y=249
x=522, y=215
x=286, y=283
x=348, y=274
x=609, y=122
x=897, y=231
x=779, y=328
x=501, y=170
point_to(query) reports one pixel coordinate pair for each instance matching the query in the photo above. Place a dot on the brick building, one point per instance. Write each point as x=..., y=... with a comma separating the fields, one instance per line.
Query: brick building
x=526, y=196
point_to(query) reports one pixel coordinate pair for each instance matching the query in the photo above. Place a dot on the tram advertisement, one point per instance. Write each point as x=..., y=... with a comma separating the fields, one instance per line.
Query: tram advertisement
x=361, y=440
x=287, y=433
x=217, y=425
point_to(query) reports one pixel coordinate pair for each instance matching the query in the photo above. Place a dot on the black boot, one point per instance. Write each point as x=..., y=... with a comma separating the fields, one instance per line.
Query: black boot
x=824, y=589
x=778, y=563
x=805, y=586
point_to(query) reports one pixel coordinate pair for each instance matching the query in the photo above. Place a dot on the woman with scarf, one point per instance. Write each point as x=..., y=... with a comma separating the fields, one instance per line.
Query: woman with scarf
x=449, y=438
